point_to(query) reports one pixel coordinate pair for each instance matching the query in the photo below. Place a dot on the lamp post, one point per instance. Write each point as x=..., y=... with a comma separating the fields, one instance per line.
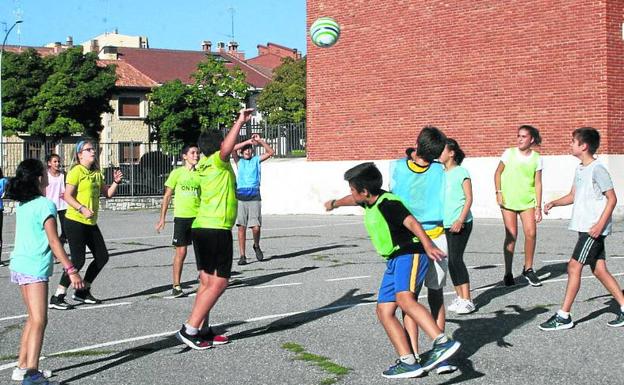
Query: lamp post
x=6, y=35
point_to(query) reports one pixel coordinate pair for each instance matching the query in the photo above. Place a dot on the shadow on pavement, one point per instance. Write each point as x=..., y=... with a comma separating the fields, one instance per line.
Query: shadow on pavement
x=310, y=251
x=262, y=279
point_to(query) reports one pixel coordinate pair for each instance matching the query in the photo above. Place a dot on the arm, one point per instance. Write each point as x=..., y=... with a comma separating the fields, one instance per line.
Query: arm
x=459, y=223
x=163, y=209
x=109, y=191
x=237, y=147
x=596, y=230
x=227, y=146
x=538, y=196
x=70, y=199
x=59, y=252
x=565, y=200
x=497, y=183
x=346, y=200
x=430, y=248
x=268, y=150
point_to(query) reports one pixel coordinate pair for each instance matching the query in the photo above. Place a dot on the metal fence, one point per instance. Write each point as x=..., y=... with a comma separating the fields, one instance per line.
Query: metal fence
x=146, y=166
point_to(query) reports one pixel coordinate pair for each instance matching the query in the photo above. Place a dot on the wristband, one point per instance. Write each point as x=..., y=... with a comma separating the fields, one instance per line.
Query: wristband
x=333, y=204
x=70, y=270
x=80, y=207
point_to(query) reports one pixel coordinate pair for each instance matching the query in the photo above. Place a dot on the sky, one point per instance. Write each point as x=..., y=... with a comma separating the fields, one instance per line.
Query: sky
x=175, y=24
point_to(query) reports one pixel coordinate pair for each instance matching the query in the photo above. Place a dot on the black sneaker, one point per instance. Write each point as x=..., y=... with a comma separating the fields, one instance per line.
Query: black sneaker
x=58, y=302
x=85, y=296
x=214, y=338
x=619, y=321
x=259, y=253
x=531, y=277
x=509, y=280
x=556, y=322
x=177, y=292
x=193, y=342
x=242, y=260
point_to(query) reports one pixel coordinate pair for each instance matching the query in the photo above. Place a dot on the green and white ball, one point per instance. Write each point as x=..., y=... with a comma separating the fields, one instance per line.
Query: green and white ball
x=324, y=32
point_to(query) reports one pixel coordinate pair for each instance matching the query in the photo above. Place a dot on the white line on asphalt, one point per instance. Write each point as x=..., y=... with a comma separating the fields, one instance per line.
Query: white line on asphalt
x=14, y=317
x=278, y=285
x=347, y=278
x=557, y=260
x=77, y=308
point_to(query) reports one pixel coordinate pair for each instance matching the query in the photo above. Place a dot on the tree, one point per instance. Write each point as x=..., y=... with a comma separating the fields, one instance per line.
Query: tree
x=283, y=100
x=179, y=113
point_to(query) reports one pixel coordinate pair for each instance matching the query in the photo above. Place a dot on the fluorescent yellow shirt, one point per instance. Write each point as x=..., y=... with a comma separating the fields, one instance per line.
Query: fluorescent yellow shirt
x=217, y=184
x=88, y=186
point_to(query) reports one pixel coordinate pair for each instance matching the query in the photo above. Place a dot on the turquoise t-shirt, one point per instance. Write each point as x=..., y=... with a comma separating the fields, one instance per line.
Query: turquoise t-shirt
x=248, y=179
x=32, y=254
x=455, y=198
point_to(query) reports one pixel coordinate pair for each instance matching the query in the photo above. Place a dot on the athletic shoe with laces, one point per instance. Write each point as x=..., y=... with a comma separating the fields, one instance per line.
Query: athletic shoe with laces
x=242, y=260
x=193, y=342
x=37, y=378
x=453, y=306
x=509, y=280
x=441, y=351
x=177, y=292
x=465, y=306
x=619, y=321
x=531, y=277
x=85, y=296
x=403, y=370
x=19, y=374
x=259, y=253
x=445, y=368
x=556, y=322
x=58, y=302
x=214, y=338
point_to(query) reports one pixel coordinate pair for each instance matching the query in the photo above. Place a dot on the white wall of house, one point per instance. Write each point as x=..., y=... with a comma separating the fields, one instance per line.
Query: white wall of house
x=296, y=186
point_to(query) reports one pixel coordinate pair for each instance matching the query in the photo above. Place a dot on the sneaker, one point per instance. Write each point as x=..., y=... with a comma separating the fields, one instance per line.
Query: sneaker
x=403, y=370
x=216, y=339
x=193, y=342
x=440, y=352
x=58, y=302
x=619, y=321
x=242, y=260
x=556, y=322
x=19, y=374
x=445, y=368
x=453, y=306
x=37, y=378
x=85, y=296
x=509, y=280
x=259, y=253
x=466, y=306
x=177, y=292
x=531, y=277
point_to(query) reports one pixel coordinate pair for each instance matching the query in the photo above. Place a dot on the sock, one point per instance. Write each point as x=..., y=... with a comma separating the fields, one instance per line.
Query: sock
x=177, y=287
x=622, y=308
x=191, y=330
x=563, y=314
x=408, y=359
x=441, y=339
x=60, y=291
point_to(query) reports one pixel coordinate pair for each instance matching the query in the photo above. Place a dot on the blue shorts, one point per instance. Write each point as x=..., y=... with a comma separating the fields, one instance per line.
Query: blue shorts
x=403, y=273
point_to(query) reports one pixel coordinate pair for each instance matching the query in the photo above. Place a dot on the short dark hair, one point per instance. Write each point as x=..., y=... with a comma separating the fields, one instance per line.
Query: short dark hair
x=248, y=145
x=25, y=185
x=187, y=147
x=51, y=156
x=534, y=132
x=458, y=153
x=430, y=143
x=210, y=142
x=589, y=136
x=365, y=176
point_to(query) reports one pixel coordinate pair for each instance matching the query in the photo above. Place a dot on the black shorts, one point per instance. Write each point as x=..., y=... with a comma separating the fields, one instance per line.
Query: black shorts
x=182, y=231
x=213, y=251
x=588, y=250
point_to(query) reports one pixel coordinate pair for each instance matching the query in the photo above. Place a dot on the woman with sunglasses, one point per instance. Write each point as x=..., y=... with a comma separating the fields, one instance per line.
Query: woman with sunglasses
x=84, y=184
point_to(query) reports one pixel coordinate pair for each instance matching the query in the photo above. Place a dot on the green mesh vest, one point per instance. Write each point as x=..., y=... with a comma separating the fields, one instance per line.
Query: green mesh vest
x=518, y=181
x=378, y=228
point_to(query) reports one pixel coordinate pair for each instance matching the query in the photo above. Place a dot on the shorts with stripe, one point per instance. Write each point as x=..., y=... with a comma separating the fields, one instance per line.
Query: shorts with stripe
x=588, y=250
x=438, y=270
x=403, y=273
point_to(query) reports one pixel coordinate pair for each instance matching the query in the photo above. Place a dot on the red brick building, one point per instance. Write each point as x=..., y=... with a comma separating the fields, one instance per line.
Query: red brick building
x=476, y=69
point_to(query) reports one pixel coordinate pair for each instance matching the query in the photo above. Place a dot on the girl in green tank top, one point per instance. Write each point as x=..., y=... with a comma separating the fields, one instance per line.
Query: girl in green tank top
x=518, y=181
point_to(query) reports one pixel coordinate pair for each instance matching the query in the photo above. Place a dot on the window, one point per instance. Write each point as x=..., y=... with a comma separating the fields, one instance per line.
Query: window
x=129, y=107
x=34, y=149
x=129, y=152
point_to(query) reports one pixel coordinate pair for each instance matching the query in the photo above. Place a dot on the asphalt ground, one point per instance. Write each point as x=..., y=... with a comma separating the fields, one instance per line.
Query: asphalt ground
x=316, y=292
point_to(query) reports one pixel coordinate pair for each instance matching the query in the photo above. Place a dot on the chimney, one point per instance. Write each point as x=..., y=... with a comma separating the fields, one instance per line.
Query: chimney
x=206, y=45
x=95, y=47
x=221, y=46
x=69, y=42
x=232, y=48
x=57, y=47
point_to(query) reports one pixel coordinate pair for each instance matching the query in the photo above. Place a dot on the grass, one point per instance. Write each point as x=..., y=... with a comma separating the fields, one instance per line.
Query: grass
x=337, y=371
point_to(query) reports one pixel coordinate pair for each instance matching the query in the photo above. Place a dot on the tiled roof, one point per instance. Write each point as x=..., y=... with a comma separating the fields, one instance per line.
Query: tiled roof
x=43, y=51
x=128, y=76
x=266, y=62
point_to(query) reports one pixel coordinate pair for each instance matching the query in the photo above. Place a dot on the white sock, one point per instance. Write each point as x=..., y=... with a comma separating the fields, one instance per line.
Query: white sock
x=441, y=339
x=563, y=314
x=622, y=308
x=191, y=330
x=408, y=359
x=60, y=291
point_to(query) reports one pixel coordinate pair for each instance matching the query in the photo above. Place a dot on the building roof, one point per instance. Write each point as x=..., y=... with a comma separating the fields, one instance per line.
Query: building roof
x=43, y=51
x=128, y=76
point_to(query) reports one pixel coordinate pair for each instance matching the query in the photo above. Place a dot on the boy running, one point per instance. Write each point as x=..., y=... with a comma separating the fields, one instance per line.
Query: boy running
x=594, y=199
x=400, y=239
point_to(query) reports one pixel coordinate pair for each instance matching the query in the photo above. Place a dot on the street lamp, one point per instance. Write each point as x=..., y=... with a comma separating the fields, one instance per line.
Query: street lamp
x=6, y=35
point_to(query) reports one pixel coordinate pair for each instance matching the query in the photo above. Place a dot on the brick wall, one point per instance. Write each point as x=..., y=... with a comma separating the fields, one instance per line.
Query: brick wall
x=476, y=69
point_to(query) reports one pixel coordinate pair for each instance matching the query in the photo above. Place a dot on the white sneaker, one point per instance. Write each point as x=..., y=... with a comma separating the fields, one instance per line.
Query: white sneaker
x=19, y=373
x=453, y=306
x=465, y=307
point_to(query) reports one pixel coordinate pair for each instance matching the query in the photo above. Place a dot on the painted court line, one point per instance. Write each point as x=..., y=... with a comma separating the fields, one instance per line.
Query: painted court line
x=346, y=278
x=14, y=317
x=77, y=308
x=278, y=285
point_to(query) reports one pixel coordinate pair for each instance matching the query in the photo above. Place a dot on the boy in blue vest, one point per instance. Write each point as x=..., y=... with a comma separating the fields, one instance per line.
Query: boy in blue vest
x=400, y=239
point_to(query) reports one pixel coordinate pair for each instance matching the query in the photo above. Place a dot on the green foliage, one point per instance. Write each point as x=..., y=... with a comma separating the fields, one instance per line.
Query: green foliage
x=283, y=100
x=56, y=96
x=322, y=362
x=179, y=112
